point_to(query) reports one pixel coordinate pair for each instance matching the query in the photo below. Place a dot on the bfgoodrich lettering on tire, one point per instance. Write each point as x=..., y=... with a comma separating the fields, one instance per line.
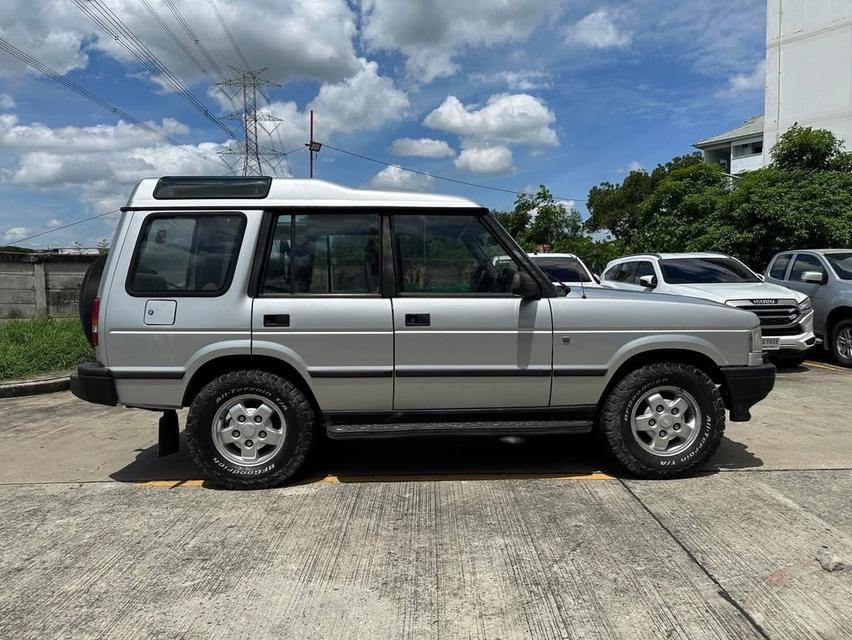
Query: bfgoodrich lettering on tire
x=663, y=420
x=250, y=429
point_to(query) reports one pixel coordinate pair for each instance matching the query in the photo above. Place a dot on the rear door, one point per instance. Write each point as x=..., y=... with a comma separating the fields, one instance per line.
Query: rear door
x=319, y=305
x=462, y=338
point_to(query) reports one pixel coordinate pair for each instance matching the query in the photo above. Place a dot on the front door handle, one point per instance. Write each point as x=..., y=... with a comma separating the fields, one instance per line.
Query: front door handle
x=417, y=320
x=276, y=320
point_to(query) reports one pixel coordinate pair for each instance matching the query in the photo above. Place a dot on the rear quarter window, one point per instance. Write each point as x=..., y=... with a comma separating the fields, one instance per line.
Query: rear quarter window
x=185, y=255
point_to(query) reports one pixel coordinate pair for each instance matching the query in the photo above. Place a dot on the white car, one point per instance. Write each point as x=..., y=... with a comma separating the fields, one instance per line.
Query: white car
x=565, y=269
x=786, y=316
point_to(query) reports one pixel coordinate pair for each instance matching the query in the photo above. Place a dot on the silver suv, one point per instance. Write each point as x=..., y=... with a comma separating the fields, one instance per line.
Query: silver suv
x=278, y=310
x=786, y=317
x=825, y=276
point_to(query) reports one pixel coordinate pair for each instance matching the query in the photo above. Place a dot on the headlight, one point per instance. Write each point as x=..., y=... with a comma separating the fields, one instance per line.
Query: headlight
x=755, y=342
x=804, y=305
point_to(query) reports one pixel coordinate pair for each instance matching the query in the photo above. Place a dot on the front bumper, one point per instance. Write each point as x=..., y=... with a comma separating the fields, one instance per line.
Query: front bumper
x=745, y=387
x=801, y=341
x=94, y=383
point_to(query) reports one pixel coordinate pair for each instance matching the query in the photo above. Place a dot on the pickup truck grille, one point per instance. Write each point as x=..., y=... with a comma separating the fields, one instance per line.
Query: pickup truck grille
x=772, y=316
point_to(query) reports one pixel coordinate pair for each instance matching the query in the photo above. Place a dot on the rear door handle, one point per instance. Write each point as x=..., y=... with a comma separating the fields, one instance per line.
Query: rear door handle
x=417, y=320
x=276, y=320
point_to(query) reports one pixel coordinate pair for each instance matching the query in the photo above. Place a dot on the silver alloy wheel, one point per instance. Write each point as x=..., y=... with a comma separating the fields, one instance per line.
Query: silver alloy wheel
x=665, y=421
x=248, y=430
x=844, y=342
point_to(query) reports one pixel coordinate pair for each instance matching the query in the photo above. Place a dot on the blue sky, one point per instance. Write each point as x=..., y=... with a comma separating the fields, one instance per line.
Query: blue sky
x=511, y=94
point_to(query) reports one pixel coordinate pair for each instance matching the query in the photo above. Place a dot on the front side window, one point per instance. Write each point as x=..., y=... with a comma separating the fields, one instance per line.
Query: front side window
x=562, y=269
x=805, y=262
x=779, y=267
x=450, y=254
x=841, y=263
x=644, y=268
x=705, y=271
x=324, y=253
x=186, y=254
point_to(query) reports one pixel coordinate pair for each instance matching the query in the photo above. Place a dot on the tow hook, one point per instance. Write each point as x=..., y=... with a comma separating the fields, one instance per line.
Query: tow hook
x=169, y=440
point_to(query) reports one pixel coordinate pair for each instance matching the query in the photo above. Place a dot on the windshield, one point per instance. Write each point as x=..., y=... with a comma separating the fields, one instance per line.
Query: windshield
x=705, y=271
x=842, y=264
x=564, y=269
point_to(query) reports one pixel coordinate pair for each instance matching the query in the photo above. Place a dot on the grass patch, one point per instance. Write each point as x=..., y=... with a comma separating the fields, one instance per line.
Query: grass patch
x=32, y=347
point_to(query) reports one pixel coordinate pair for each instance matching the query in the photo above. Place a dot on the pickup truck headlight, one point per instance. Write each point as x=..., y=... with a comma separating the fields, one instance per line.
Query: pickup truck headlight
x=755, y=342
x=805, y=305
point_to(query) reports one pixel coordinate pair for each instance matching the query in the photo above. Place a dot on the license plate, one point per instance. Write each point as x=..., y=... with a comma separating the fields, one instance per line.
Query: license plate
x=770, y=344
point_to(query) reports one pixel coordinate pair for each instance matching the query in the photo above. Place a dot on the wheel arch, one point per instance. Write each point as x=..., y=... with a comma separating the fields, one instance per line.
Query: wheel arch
x=223, y=364
x=651, y=356
x=834, y=316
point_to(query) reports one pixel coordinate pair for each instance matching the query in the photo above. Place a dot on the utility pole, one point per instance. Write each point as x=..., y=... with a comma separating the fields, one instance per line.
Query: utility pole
x=313, y=146
x=247, y=84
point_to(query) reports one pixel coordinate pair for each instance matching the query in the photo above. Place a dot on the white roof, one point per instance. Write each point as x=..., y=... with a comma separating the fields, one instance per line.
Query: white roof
x=294, y=192
x=542, y=254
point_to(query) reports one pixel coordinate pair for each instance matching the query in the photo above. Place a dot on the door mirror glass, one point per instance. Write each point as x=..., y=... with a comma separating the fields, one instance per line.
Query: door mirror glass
x=525, y=286
x=649, y=282
x=814, y=277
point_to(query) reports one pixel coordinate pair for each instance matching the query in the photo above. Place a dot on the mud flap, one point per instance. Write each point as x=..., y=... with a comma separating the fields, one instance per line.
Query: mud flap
x=169, y=437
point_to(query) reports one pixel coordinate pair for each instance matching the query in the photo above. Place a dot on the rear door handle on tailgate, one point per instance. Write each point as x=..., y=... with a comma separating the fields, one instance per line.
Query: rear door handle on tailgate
x=276, y=320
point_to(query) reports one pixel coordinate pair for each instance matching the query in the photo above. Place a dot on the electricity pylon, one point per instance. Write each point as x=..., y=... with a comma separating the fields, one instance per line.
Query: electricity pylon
x=248, y=84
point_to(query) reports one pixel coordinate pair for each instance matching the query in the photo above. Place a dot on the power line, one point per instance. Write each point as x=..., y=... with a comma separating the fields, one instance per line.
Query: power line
x=195, y=39
x=64, y=226
x=88, y=95
x=113, y=26
x=228, y=33
x=436, y=176
x=153, y=13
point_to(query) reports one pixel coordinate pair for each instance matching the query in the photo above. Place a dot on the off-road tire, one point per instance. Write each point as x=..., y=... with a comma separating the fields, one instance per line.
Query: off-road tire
x=298, y=413
x=88, y=292
x=616, y=433
x=844, y=323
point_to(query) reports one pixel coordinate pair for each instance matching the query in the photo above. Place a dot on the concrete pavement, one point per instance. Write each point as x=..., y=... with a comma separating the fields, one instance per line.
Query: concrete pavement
x=467, y=538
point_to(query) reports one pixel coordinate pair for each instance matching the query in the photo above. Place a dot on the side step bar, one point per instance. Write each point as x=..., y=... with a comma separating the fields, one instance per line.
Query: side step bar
x=489, y=428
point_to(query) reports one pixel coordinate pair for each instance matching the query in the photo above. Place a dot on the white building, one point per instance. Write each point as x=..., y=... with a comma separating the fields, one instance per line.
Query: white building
x=808, y=81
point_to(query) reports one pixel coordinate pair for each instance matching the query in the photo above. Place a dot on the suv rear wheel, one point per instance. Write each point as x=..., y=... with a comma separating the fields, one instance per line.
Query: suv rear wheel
x=663, y=420
x=841, y=342
x=250, y=429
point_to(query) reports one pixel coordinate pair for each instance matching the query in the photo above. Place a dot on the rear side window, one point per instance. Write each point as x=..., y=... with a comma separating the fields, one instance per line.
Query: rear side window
x=626, y=273
x=805, y=262
x=611, y=272
x=191, y=255
x=779, y=267
x=324, y=253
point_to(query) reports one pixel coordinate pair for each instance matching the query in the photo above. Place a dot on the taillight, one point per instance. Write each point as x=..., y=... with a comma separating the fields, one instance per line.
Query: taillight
x=96, y=309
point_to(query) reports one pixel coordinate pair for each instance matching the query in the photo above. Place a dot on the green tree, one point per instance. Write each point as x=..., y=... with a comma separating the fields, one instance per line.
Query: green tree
x=806, y=148
x=539, y=219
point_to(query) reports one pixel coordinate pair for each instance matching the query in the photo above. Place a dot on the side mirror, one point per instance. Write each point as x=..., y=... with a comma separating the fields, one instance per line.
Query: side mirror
x=814, y=277
x=525, y=286
x=649, y=282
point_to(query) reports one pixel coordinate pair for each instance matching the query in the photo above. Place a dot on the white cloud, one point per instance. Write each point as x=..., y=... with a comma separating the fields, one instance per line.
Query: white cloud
x=298, y=39
x=16, y=233
x=635, y=165
x=600, y=30
x=746, y=82
x=398, y=179
x=505, y=119
x=528, y=80
x=101, y=162
x=53, y=223
x=430, y=34
x=6, y=101
x=422, y=148
x=490, y=160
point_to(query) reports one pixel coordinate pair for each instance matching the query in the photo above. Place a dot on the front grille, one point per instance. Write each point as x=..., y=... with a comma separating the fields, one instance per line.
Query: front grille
x=784, y=315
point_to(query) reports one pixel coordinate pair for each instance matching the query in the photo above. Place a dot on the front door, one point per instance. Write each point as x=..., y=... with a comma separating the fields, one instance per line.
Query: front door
x=462, y=339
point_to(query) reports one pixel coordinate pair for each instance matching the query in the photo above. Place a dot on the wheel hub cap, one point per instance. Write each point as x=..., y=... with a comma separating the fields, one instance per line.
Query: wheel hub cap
x=238, y=425
x=665, y=421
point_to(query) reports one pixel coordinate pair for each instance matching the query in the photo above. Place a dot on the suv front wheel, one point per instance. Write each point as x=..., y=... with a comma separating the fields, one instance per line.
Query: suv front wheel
x=249, y=429
x=663, y=420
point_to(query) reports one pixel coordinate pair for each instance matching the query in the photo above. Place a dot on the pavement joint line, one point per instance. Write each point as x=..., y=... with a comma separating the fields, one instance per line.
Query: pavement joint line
x=722, y=591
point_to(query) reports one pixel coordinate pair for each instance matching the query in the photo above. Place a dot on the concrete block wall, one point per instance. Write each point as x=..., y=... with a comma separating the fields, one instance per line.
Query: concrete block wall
x=41, y=285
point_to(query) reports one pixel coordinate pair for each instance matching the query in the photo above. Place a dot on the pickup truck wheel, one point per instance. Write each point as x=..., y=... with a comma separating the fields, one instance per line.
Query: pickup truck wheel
x=249, y=429
x=841, y=342
x=663, y=420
